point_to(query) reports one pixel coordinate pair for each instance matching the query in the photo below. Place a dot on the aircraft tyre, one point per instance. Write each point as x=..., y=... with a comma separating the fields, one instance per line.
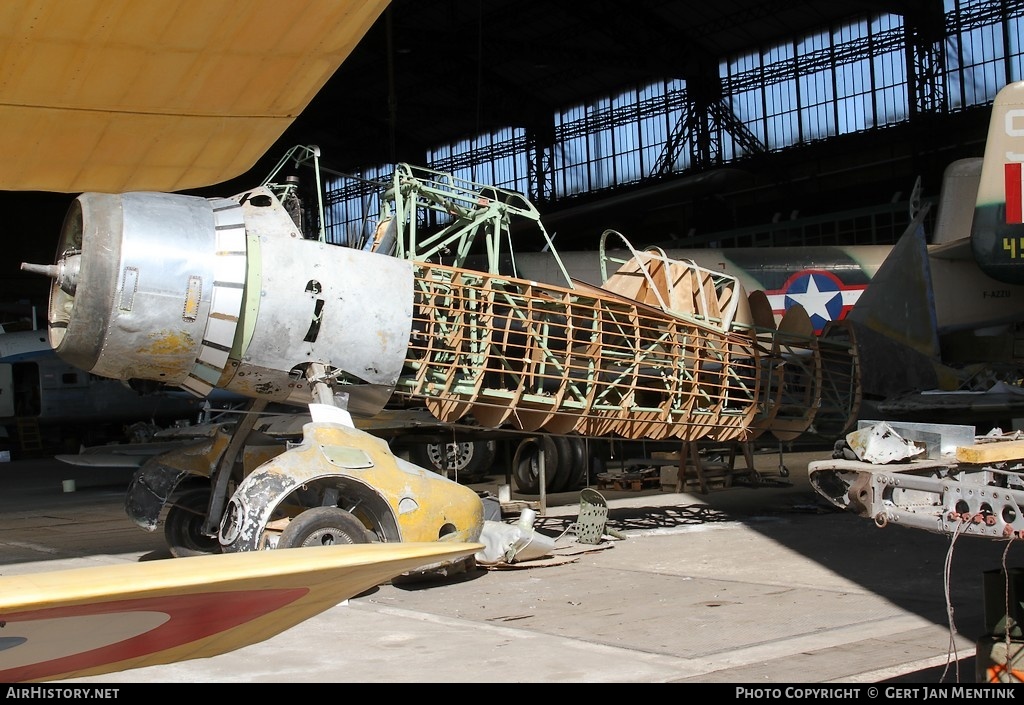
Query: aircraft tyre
x=323, y=526
x=464, y=461
x=184, y=522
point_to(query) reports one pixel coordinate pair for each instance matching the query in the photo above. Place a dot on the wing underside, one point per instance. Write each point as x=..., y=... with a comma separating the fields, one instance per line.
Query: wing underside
x=164, y=96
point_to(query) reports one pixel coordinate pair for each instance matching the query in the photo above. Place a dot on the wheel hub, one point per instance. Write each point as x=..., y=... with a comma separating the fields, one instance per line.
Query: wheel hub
x=451, y=456
x=326, y=537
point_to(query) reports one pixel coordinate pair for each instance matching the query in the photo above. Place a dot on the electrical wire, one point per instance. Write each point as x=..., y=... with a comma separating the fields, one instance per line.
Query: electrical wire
x=961, y=527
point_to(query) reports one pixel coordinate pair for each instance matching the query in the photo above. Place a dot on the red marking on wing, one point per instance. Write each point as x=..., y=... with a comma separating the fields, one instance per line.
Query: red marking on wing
x=191, y=617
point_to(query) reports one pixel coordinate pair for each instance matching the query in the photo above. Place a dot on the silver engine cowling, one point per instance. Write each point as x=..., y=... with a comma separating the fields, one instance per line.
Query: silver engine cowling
x=224, y=293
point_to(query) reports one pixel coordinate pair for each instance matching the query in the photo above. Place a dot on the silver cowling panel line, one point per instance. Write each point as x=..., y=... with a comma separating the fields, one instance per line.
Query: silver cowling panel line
x=203, y=293
x=229, y=268
x=347, y=309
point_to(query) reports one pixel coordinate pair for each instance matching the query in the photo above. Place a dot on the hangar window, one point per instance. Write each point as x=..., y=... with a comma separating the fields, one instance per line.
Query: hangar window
x=1014, y=31
x=836, y=80
x=352, y=205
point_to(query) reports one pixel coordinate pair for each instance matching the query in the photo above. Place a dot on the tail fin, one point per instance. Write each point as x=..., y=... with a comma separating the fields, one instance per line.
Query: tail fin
x=955, y=209
x=997, y=233
x=899, y=303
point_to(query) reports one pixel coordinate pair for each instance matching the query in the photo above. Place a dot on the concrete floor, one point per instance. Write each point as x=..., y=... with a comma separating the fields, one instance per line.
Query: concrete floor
x=755, y=585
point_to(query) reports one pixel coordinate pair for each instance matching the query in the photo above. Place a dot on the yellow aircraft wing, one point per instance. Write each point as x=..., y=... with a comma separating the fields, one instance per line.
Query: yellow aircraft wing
x=160, y=95
x=99, y=619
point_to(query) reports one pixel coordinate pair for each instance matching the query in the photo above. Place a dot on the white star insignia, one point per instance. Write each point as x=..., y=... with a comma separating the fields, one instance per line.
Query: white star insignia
x=813, y=300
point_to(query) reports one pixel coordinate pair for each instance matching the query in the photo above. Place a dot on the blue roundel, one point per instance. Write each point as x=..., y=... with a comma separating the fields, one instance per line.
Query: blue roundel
x=820, y=296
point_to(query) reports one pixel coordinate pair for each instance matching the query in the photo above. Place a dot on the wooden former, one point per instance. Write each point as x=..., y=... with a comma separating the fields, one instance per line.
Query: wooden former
x=585, y=360
x=840, y=397
x=663, y=350
x=791, y=370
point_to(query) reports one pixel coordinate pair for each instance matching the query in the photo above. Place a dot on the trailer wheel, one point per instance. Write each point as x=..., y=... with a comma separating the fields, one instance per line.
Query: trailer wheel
x=580, y=463
x=322, y=526
x=184, y=523
x=464, y=460
x=526, y=464
x=563, y=475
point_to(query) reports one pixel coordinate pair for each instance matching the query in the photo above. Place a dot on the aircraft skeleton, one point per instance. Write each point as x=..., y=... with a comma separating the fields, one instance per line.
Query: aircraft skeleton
x=663, y=349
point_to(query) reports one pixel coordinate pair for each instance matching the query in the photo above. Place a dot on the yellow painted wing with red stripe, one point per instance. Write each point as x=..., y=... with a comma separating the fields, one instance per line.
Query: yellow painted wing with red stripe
x=100, y=619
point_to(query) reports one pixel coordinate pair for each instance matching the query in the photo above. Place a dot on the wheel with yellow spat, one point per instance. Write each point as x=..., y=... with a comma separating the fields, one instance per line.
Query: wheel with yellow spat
x=323, y=526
